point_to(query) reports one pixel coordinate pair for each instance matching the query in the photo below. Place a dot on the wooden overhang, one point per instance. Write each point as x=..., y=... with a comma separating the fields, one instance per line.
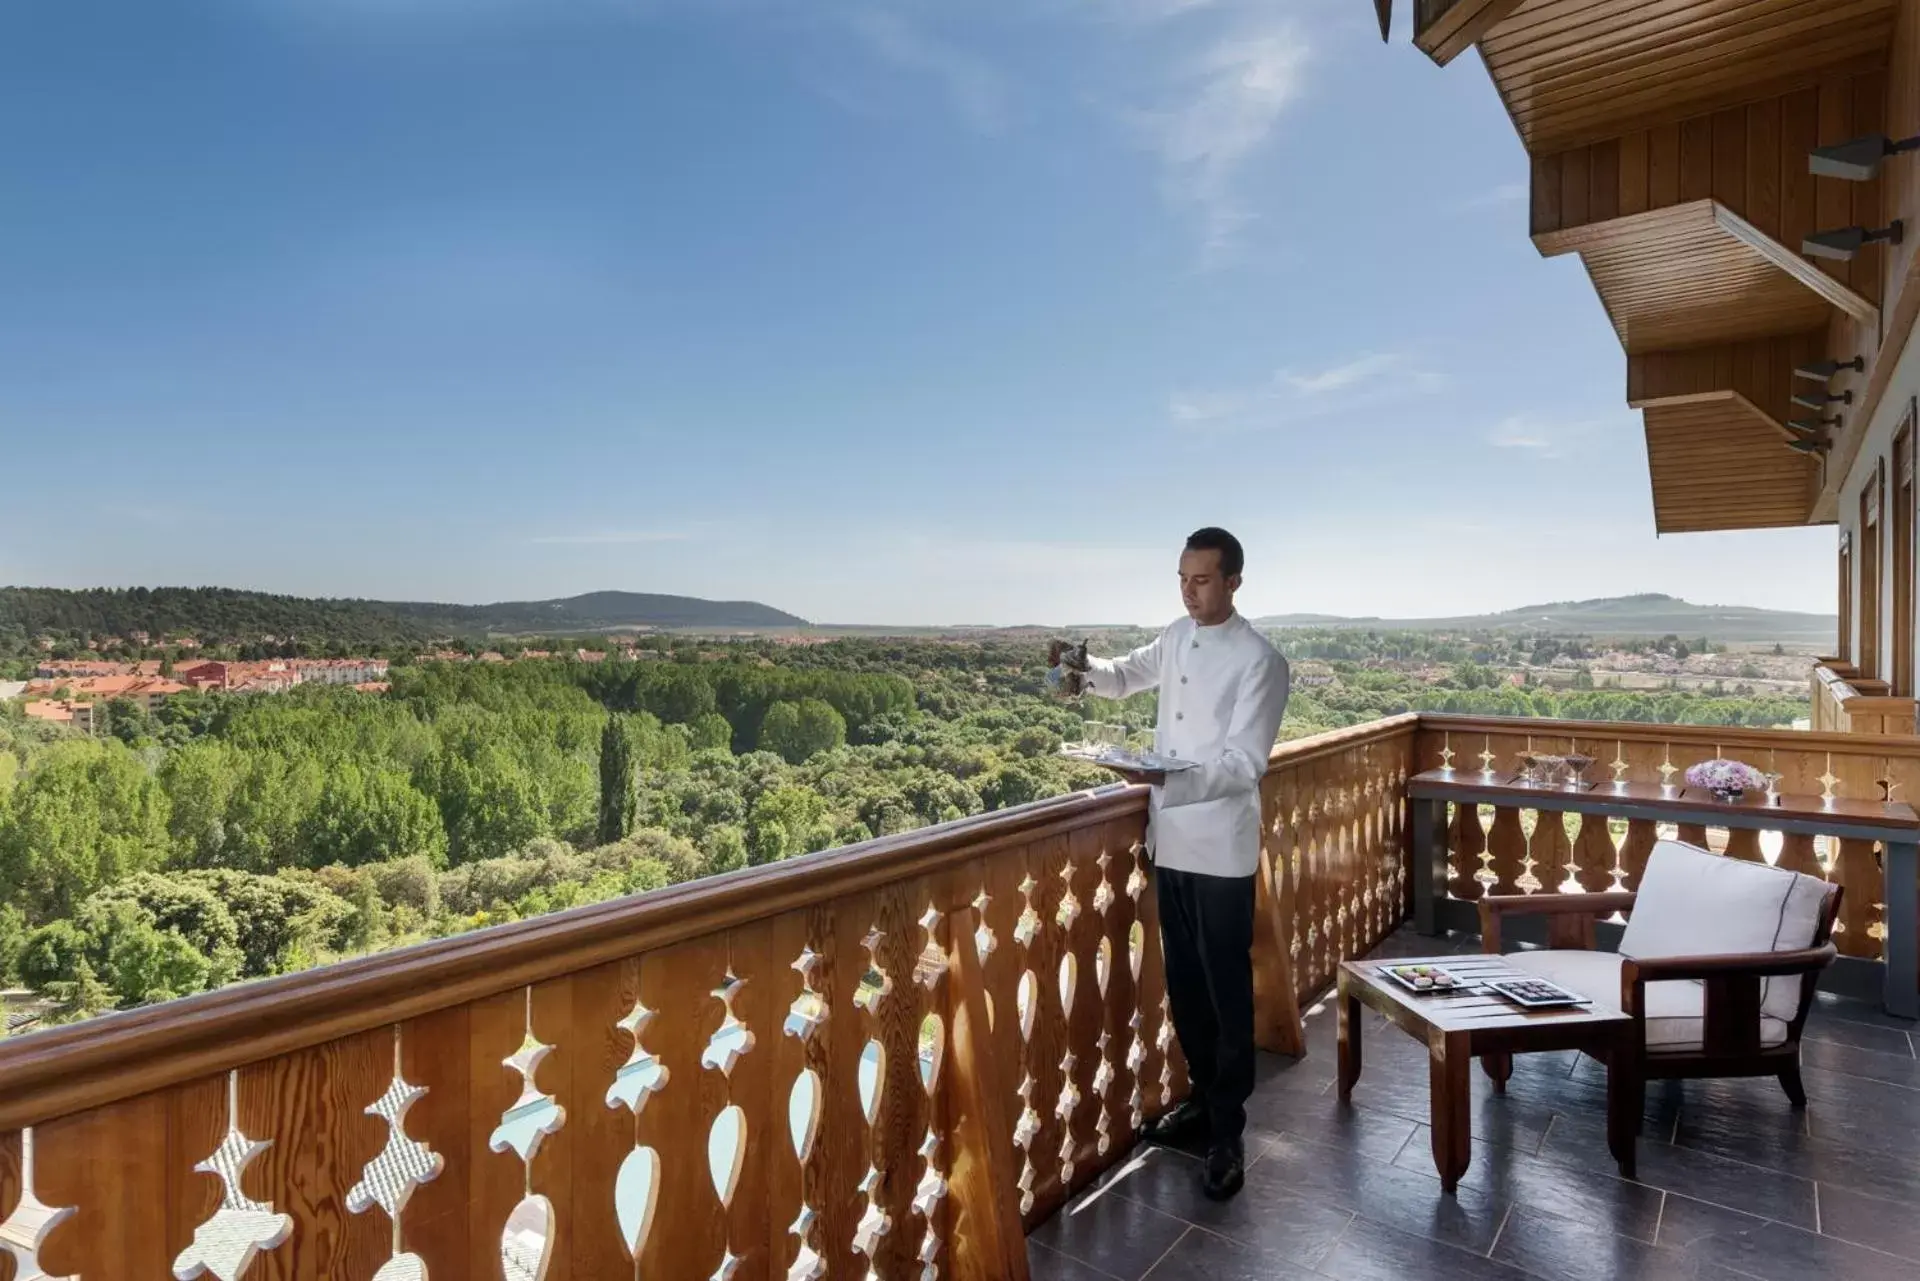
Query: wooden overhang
x=1716, y=446
x=1669, y=144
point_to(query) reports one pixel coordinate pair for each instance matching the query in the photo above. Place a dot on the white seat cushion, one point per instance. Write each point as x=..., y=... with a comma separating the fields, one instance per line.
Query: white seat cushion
x=1676, y=1021
x=1696, y=903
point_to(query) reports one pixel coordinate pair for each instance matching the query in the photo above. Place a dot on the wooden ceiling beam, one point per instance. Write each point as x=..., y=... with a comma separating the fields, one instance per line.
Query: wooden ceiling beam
x=1460, y=25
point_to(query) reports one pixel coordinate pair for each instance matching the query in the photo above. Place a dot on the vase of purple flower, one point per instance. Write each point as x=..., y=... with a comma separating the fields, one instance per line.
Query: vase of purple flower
x=1727, y=780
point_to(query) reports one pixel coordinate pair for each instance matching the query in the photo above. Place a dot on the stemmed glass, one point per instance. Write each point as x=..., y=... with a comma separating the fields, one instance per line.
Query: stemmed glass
x=1577, y=766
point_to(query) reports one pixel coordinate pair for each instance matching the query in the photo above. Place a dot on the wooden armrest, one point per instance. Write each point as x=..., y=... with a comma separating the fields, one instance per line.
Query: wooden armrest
x=1557, y=904
x=1730, y=1003
x=1570, y=916
x=1661, y=969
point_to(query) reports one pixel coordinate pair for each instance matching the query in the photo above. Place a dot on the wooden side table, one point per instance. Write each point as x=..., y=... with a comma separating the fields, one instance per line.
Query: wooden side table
x=1459, y=1026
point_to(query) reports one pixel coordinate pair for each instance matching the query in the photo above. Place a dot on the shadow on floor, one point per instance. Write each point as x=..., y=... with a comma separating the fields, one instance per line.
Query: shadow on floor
x=1733, y=1182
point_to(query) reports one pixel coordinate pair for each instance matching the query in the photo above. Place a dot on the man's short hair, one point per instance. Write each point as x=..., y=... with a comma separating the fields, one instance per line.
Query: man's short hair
x=1232, y=559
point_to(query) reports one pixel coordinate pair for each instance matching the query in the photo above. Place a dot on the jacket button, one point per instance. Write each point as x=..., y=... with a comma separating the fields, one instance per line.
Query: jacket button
x=1183, y=680
x=1179, y=716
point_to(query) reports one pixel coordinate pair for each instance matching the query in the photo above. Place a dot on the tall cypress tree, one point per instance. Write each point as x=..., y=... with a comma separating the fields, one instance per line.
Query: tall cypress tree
x=618, y=803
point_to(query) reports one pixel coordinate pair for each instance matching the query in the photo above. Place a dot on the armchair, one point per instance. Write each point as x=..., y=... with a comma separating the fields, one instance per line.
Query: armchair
x=1717, y=965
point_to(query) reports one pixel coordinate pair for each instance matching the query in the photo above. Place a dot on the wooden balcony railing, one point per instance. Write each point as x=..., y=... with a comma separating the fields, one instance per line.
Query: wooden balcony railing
x=1845, y=702
x=891, y=1059
x=888, y=1059
x=1539, y=849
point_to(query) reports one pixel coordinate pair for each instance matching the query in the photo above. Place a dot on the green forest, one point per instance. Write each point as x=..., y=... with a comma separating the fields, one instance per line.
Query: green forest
x=230, y=836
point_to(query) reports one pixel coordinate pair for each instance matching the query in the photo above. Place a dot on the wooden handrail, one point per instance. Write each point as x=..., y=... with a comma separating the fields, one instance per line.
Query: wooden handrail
x=1728, y=736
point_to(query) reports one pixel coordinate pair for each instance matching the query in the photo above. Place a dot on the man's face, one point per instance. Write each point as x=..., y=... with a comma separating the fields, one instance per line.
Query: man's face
x=1206, y=592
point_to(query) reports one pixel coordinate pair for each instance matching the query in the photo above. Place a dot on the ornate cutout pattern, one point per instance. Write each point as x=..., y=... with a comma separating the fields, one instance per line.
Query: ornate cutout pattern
x=733, y=1038
x=803, y=1113
x=808, y=1013
x=931, y=1190
x=874, y=1223
x=931, y=965
x=636, y=1188
x=878, y=984
x=636, y=1196
x=807, y=1265
x=225, y=1245
x=389, y=1180
x=1028, y=927
x=1103, y=892
x=526, y=1242
x=643, y=1075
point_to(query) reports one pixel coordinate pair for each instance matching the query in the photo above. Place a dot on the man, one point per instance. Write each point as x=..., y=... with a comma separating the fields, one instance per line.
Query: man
x=1223, y=690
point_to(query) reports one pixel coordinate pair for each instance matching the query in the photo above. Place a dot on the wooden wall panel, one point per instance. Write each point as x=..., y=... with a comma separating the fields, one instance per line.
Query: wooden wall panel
x=1760, y=370
x=1751, y=159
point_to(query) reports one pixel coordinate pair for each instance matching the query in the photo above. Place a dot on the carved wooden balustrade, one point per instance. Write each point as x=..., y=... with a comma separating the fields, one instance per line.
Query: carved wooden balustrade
x=879, y=1059
x=1533, y=850
x=1845, y=702
x=1337, y=863
x=884, y=1060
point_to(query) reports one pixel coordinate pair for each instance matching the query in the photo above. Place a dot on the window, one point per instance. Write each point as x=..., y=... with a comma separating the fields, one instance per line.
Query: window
x=1872, y=501
x=1901, y=675
x=1843, y=643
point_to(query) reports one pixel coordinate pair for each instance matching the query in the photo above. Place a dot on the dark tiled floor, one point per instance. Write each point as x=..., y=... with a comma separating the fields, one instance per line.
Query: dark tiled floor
x=1733, y=1184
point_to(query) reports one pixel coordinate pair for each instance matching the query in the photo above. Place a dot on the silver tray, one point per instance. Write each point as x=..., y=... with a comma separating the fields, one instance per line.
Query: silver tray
x=1121, y=758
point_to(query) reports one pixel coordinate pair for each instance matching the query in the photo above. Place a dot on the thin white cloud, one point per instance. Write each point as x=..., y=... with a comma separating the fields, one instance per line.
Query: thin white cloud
x=1545, y=437
x=1142, y=11
x=976, y=90
x=1296, y=396
x=1343, y=377
x=1220, y=116
x=611, y=537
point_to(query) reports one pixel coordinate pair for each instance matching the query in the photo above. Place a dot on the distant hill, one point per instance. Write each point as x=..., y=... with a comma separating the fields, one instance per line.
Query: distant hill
x=1616, y=616
x=218, y=614
x=605, y=611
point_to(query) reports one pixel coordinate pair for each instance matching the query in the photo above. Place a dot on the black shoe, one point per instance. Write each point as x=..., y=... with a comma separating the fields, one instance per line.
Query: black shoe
x=1183, y=1122
x=1226, y=1172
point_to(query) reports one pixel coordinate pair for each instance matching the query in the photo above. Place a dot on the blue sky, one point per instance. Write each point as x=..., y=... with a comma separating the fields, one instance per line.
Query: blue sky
x=875, y=310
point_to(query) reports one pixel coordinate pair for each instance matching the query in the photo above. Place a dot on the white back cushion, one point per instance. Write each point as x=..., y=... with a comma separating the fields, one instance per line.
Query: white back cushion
x=1696, y=903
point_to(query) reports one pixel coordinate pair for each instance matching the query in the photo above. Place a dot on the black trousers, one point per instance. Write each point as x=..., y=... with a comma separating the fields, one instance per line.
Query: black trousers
x=1206, y=925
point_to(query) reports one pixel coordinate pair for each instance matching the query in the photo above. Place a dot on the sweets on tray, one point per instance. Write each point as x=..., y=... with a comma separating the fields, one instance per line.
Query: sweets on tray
x=1423, y=978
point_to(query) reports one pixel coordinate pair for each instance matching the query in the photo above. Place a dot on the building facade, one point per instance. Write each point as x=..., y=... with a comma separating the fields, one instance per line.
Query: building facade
x=1735, y=176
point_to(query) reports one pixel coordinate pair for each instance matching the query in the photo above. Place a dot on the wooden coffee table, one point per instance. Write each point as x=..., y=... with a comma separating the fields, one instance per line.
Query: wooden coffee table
x=1460, y=1026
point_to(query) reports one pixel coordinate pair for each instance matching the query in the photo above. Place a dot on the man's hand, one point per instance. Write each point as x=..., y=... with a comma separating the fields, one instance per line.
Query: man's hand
x=1141, y=778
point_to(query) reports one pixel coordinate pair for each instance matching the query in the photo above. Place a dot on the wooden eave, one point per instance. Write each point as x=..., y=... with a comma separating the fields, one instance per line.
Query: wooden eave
x=1720, y=463
x=1575, y=71
x=1668, y=141
x=1698, y=273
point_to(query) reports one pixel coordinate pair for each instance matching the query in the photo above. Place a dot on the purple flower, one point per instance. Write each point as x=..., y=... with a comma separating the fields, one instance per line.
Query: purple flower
x=1721, y=775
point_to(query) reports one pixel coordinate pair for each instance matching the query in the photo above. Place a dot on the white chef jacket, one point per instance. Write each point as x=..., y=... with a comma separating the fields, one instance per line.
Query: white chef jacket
x=1223, y=691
